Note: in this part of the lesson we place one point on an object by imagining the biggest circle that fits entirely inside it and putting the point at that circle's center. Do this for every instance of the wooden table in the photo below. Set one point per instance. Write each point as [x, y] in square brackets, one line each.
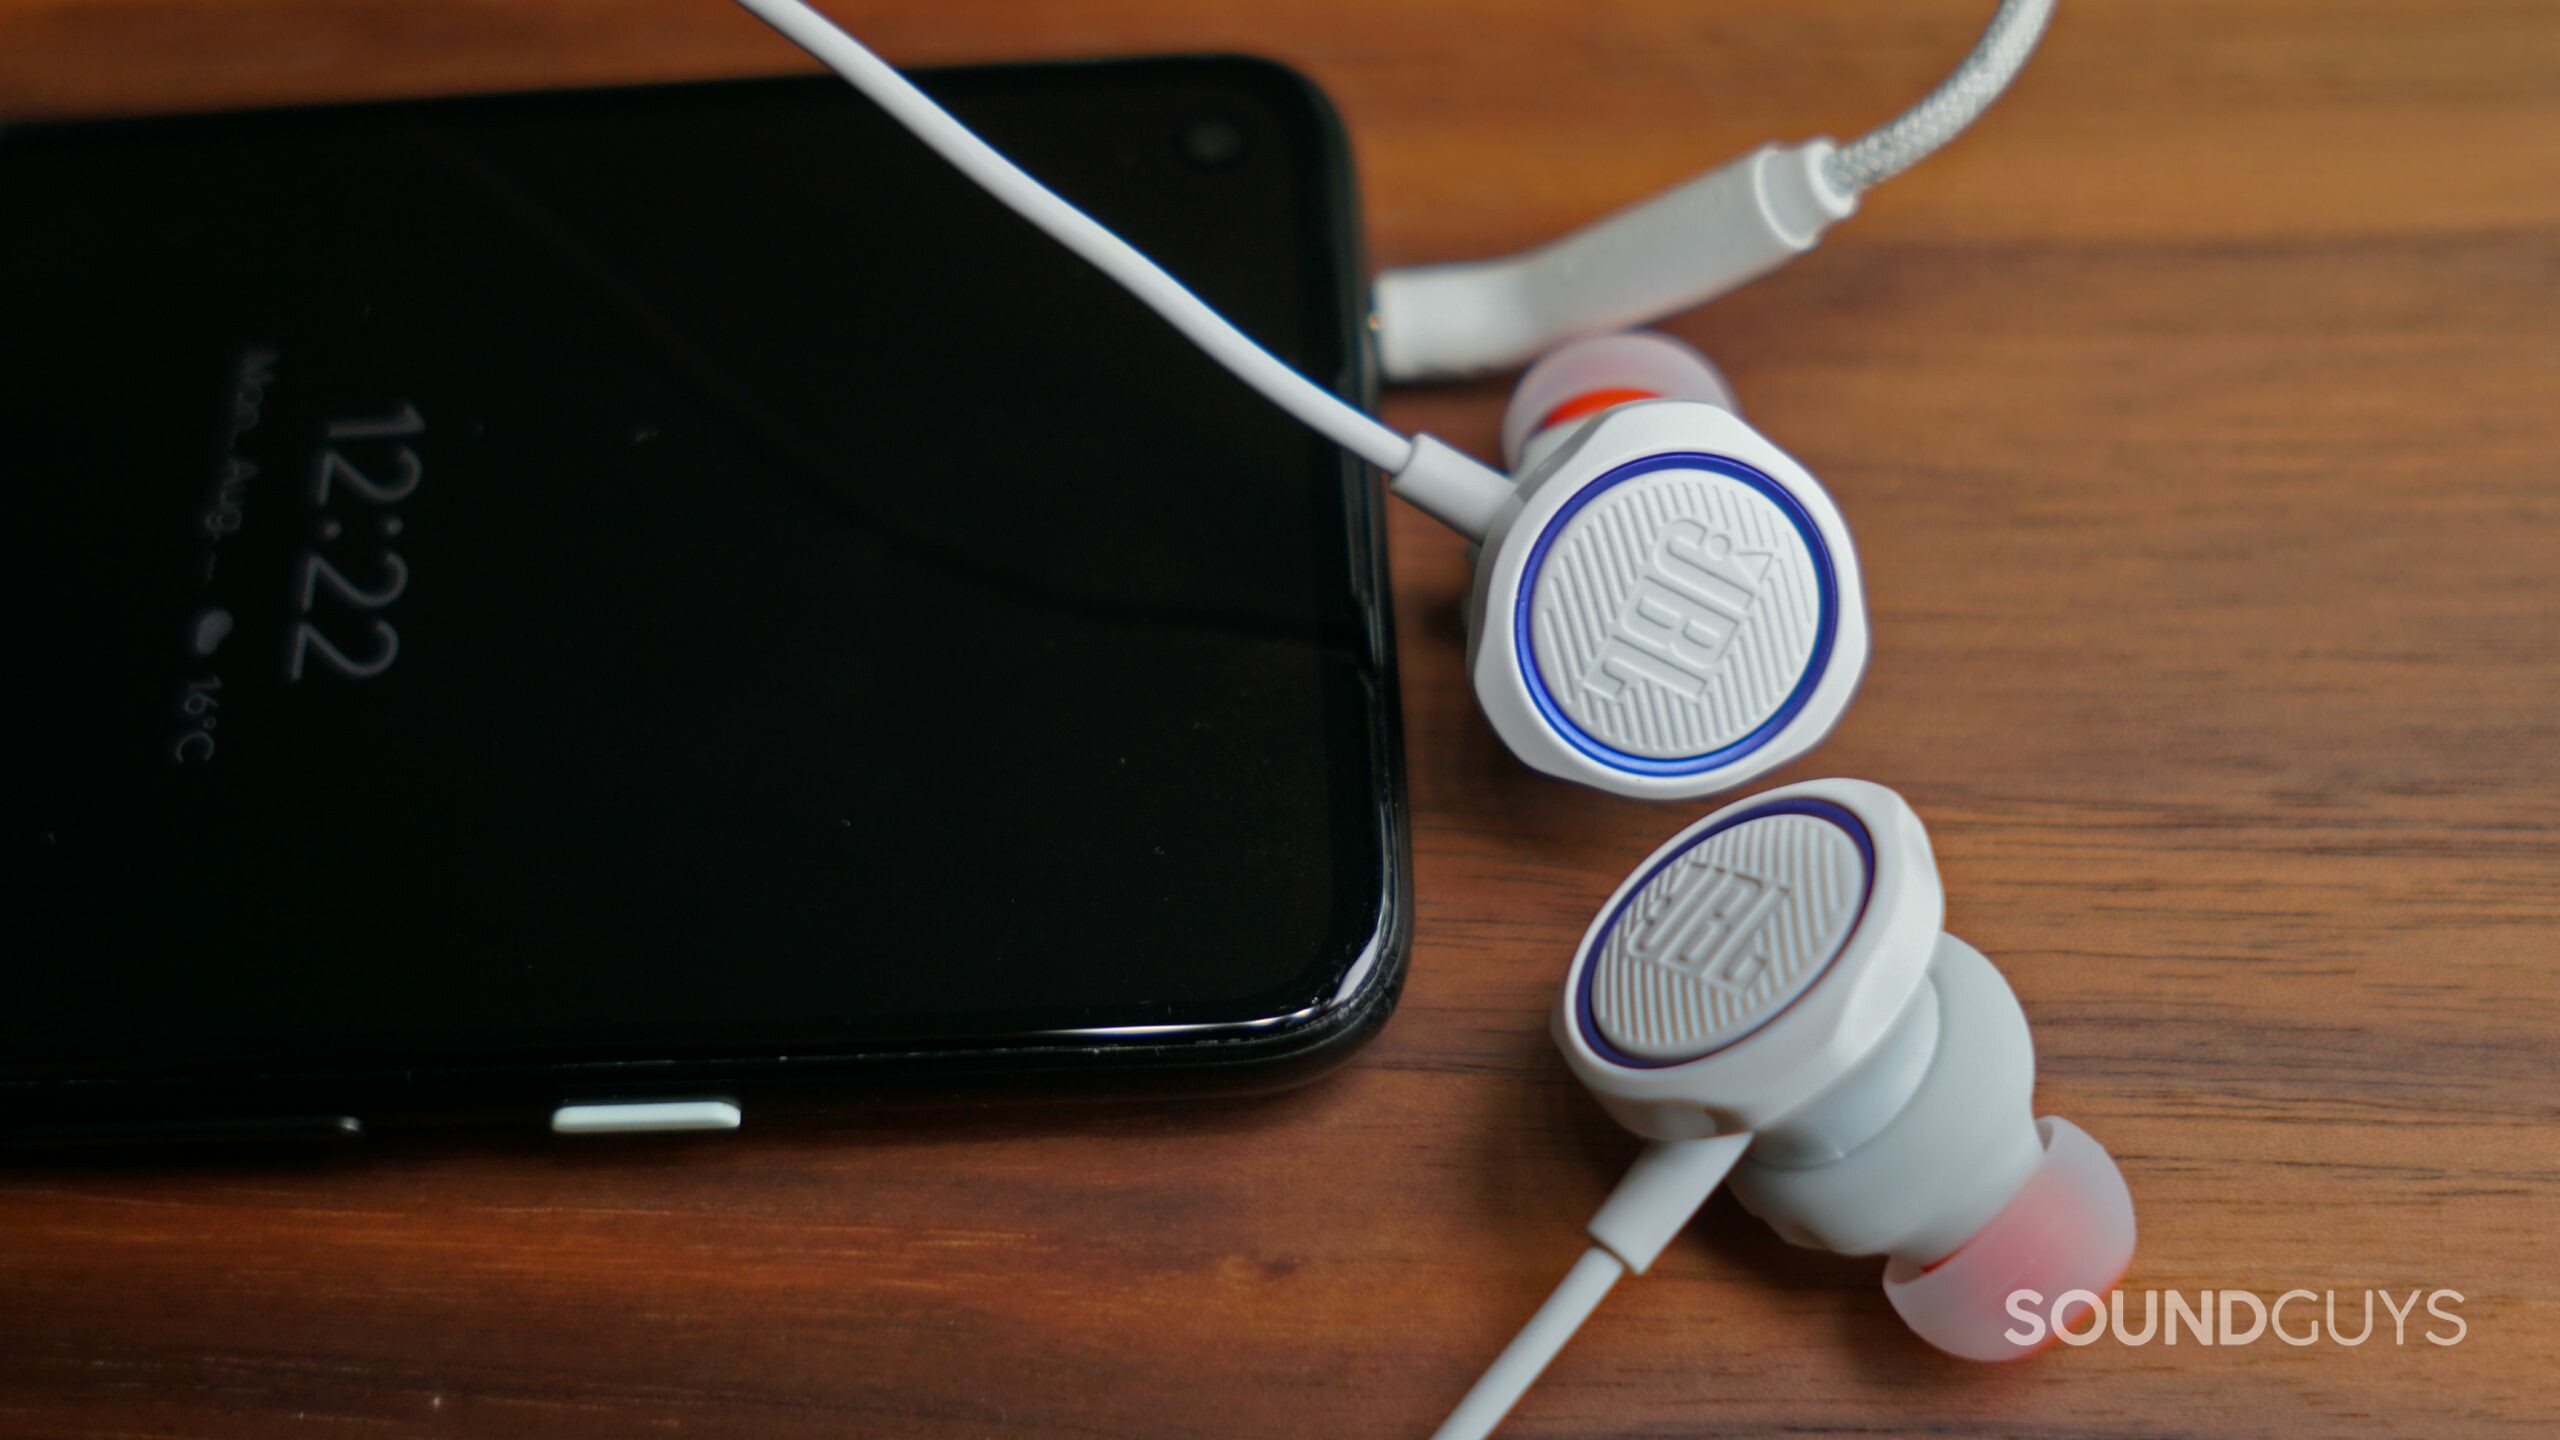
[2200, 421]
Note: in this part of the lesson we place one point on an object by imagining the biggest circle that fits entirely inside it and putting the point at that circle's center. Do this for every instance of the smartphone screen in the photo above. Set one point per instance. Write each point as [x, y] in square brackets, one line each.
[673, 573]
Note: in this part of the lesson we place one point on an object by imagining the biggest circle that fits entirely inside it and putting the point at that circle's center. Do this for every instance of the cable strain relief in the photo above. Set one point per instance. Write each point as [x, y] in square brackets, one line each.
[1453, 487]
[1805, 197]
[1661, 1191]
[1683, 247]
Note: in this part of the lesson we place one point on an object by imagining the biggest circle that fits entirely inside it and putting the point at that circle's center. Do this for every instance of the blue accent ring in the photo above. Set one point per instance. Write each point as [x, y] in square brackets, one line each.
[1817, 809]
[1825, 630]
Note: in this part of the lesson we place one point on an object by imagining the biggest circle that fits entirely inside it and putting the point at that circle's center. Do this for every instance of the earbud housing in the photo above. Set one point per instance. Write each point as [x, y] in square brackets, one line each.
[1777, 971]
[1670, 606]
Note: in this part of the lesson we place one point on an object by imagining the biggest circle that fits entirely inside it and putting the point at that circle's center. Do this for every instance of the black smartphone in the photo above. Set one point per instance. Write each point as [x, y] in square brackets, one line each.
[671, 595]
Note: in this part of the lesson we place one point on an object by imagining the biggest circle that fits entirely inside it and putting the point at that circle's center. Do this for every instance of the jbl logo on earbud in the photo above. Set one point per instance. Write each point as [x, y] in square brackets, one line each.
[1681, 618]
[1711, 930]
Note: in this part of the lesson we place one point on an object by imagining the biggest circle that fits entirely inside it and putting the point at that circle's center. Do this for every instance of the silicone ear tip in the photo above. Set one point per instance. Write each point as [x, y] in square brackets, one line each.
[1633, 360]
[2070, 1228]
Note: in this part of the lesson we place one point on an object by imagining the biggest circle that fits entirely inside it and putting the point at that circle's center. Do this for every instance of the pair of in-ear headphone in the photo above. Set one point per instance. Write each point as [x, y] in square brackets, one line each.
[1667, 605]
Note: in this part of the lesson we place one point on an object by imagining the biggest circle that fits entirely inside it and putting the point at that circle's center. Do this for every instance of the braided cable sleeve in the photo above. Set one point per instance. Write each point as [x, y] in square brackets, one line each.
[1996, 59]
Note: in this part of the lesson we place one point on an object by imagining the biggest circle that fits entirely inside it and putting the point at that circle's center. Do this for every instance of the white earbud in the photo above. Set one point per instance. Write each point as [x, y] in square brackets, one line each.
[1666, 605]
[1669, 606]
[1770, 1000]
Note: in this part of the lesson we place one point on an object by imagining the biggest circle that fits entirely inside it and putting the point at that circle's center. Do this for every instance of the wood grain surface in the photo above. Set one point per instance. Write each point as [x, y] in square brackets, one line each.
[2199, 418]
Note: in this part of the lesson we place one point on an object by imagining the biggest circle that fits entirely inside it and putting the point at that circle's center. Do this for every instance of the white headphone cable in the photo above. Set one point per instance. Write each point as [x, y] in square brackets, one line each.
[1661, 1191]
[1318, 407]
[1665, 254]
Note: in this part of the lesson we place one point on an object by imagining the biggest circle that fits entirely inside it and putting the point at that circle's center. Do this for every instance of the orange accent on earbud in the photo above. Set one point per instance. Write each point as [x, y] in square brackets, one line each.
[1589, 403]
